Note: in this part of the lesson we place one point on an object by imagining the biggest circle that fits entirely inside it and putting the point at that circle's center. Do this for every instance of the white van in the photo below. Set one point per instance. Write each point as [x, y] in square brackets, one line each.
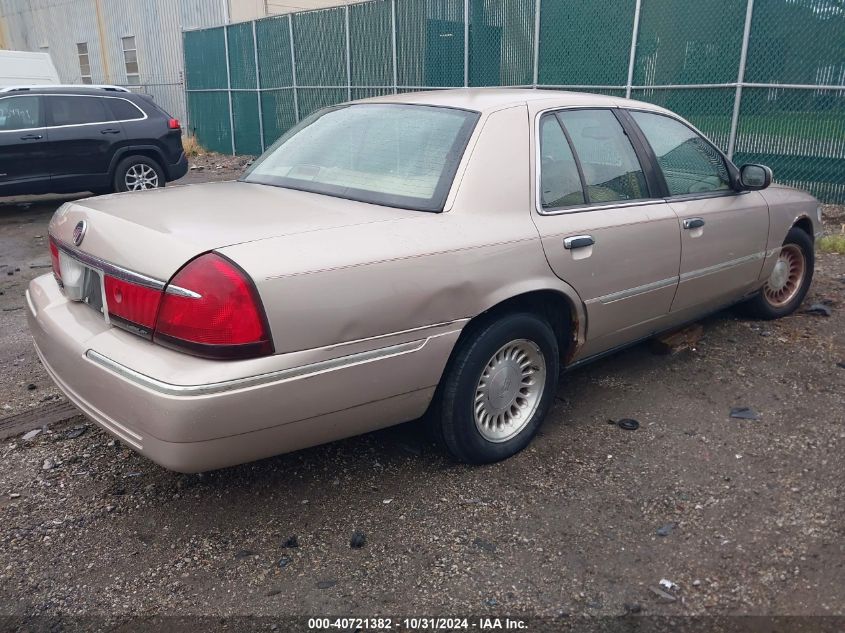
[22, 68]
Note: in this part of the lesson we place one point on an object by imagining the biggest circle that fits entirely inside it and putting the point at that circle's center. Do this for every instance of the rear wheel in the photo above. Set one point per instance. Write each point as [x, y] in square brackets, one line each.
[137, 173]
[789, 281]
[498, 389]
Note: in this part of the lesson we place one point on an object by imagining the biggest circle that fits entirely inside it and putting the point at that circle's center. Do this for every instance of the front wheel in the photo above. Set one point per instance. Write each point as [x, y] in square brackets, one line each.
[789, 281]
[137, 173]
[498, 389]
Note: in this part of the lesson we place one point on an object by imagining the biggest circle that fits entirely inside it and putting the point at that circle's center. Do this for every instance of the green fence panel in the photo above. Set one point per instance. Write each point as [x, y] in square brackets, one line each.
[585, 42]
[689, 42]
[205, 59]
[797, 42]
[313, 99]
[273, 38]
[244, 116]
[278, 113]
[208, 113]
[709, 109]
[430, 42]
[501, 42]
[370, 44]
[366, 93]
[242, 56]
[320, 45]
[800, 134]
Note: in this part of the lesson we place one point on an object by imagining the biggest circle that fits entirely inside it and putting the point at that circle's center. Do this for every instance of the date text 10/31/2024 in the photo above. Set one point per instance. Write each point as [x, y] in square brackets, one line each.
[417, 624]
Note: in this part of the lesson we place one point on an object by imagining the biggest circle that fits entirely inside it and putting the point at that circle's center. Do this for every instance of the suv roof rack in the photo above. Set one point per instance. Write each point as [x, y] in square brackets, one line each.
[106, 87]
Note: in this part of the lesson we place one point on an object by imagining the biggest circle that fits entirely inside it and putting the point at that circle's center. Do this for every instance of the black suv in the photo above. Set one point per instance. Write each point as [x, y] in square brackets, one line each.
[101, 139]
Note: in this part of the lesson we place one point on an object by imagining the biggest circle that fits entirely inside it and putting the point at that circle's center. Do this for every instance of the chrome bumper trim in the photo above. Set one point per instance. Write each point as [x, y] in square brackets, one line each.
[282, 375]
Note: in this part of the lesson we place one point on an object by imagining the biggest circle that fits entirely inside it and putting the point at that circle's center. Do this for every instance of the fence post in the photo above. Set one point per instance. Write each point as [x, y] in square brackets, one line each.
[633, 57]
[740, 78]
[348, 60]
[293, 69]
[229, 89]
[466, 43]
[536, 71]
[393, 45]
[258, 87]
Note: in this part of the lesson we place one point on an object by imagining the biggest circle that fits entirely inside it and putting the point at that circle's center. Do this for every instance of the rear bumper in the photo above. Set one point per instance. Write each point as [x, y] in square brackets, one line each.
[177, 169]
[190, 424]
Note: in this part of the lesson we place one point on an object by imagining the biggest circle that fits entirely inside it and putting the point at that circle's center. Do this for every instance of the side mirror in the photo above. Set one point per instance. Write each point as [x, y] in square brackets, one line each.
[755, 177]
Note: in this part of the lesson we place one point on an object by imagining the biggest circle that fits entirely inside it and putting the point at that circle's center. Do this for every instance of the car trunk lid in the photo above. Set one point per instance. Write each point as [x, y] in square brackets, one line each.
[156, 232]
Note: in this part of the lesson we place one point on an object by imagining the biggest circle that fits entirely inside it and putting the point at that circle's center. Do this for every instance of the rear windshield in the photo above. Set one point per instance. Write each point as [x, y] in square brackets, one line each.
[395, 155]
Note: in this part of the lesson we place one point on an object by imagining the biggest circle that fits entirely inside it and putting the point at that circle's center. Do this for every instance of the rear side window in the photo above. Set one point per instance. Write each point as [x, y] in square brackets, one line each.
[690, 164]
[608, 161]
[20, 113]
[123, 110]
[71, 110]
[559, 181]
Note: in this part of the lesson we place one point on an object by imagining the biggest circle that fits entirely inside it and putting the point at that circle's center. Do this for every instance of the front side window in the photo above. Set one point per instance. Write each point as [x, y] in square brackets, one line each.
[396, 155]
[84, 62]
[130, 58]
[20, 113]
[690, 164]
[611, 169]
[70, 110]
[560, 183]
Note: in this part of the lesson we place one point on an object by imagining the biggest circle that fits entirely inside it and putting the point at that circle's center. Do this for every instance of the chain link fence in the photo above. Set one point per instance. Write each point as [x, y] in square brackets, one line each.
[764, 79]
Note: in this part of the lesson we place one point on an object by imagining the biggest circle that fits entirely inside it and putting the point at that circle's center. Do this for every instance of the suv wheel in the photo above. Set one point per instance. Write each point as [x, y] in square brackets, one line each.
[136, 173]
[498, 389]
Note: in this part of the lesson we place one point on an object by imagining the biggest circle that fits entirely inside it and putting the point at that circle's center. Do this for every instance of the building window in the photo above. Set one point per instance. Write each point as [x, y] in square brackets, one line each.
[130, 56]
[84, 64]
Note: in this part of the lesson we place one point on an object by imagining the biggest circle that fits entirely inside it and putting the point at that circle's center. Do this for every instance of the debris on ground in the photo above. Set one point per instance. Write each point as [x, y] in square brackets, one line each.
[819, 309]
[75, 432]
[666, 530]
[671, 343]
[48, 464]
[662, 594]
[628, 424]
[284, 561]
[358, 540]
[745, 413]
[31, 435]
[667, 584]
[291, 542]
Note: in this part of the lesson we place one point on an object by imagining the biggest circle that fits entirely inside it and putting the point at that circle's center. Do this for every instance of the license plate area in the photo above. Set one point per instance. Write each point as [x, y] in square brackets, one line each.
[82, 283]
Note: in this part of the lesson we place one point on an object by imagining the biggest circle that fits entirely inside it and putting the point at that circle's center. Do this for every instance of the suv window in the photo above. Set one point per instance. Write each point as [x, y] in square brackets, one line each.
[560, 184]
[608, 161]
[124, 110]
[20, 113]
[689, 162]
[71, 110]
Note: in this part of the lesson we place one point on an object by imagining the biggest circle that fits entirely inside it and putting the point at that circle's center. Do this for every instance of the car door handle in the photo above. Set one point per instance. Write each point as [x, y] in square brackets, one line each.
[693, 223]
[578, 241]
[110, 130]
[31, 137]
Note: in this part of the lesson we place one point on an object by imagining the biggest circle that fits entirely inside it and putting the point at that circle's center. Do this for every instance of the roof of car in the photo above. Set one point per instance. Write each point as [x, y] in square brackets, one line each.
[484, 99]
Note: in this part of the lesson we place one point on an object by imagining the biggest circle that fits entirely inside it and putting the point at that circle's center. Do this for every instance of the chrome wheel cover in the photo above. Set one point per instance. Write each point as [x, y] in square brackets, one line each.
[509, 390]
[787, 277]
[140, 176]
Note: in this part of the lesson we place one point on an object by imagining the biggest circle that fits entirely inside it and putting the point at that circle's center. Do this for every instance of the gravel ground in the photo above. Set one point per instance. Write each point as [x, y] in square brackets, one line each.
[742, 516]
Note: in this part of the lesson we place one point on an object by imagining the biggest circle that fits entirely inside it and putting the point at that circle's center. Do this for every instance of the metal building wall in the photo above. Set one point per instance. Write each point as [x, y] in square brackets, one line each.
[157, 26]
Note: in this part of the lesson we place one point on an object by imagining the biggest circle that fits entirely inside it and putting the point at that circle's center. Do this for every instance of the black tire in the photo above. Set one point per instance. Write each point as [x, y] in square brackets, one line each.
[453, 415]
[761, 305]
[136, 161]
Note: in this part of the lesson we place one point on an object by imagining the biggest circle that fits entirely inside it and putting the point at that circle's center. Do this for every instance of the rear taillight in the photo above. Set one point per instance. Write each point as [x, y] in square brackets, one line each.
[54, 260]
[133, 304]
[173, 124]
[211, 308]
